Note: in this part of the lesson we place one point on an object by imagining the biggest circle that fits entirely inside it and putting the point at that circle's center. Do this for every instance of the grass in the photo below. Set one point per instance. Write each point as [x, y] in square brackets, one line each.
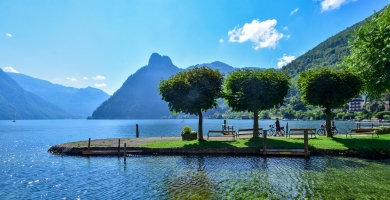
[321, 142]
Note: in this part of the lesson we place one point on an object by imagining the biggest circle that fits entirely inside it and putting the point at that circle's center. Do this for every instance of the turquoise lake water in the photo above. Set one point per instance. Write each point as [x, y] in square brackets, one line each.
[28, 171]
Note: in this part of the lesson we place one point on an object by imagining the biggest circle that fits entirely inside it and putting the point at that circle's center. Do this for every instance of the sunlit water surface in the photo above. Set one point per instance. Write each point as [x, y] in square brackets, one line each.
[28, 171]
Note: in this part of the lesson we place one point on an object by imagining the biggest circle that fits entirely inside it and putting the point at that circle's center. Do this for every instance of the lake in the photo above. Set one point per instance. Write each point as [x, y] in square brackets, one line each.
[28, 171]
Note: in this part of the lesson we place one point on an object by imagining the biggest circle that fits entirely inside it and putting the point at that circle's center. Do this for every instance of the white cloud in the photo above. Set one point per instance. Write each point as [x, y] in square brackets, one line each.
[71, 79]
[294, 11]
[99, 78]
[287, 37]
[220, 41]
[56, 80]
[10, 69]
[262, 34]
[333, 4]
[85, 78]
[99, 85]
[285, 28]
[285, 60]
[8, 34]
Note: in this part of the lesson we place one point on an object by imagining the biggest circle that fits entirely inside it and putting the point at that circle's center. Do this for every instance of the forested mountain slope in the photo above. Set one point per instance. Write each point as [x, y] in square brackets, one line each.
[330, 53]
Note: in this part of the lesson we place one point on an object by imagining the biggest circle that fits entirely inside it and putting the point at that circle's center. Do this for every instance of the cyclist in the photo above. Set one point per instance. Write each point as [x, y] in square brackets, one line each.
[323, 126]
[277, 124]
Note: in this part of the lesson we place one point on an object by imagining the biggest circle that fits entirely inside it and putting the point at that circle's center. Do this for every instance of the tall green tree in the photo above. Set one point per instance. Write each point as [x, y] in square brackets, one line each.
[193, 91]
[255, 90]
[370, 53]
[328, 88]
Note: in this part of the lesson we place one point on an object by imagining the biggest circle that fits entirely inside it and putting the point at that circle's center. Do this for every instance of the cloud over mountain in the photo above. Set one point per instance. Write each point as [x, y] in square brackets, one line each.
[284, 60]
[10, 69]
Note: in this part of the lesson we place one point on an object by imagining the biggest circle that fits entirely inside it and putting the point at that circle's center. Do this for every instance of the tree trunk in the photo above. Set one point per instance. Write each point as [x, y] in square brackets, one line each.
[328, 122]
[256, 123]
[200, 126]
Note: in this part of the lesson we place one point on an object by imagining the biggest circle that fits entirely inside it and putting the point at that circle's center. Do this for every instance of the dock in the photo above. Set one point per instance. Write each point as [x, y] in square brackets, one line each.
[285, 152]
[109, 152]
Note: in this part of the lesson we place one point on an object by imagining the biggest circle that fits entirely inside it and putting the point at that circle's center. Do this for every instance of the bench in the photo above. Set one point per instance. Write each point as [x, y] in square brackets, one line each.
[222, 133]
[365, 131]
[246, 131]
[311, 131]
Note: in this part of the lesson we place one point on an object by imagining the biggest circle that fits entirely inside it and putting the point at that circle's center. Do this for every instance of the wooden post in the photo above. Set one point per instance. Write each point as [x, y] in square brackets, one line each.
[136, 131]
[306, 142]
[224, 125]
[89, 143]
[372, 125]
[119, 144]
[124, 152]
[264, 142]
[286, 129]
[332, 122]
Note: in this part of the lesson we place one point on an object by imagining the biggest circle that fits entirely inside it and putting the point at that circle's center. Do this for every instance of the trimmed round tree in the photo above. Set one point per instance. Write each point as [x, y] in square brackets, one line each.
[328, 88]
[254, 90]
[370, 53]
[192, 91]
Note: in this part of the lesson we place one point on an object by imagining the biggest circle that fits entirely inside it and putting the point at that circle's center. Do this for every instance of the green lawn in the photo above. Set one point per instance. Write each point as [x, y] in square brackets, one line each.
[321, 142]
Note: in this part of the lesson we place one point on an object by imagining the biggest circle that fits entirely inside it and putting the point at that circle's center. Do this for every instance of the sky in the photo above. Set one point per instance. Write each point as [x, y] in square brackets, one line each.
[100, 43]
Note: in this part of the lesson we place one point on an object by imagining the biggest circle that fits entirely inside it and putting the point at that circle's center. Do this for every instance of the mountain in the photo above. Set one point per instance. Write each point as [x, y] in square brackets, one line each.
[138, 97]
[16, 102]
[78, 102]
[330, 53]
[224, 68]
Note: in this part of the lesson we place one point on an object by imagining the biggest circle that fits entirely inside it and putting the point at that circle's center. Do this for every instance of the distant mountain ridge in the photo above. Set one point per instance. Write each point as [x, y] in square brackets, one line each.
[17, 103]
[78, 102]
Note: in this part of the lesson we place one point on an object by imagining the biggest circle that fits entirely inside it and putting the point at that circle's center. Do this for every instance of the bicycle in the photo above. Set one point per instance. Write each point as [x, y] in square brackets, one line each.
[272, 131]
[322, 130]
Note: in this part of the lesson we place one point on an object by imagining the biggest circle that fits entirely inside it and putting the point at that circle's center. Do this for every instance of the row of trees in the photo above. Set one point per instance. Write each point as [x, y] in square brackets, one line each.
[196, 90]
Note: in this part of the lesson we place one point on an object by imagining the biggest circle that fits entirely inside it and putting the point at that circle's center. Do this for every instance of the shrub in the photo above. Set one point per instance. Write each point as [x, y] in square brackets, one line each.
[383, 129]
[187, 130]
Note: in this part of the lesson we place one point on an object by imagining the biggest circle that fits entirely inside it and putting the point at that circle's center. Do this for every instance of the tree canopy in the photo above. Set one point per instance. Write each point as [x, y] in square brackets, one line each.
[192, 91]
[328, 88]
[370, 53]
[255, 90]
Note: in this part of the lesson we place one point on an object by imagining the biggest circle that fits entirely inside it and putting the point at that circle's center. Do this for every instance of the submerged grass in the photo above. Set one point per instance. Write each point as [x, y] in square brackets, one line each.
[320, 142]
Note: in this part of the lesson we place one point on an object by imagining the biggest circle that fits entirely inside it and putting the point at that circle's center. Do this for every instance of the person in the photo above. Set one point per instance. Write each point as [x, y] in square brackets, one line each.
[323, 126]
[277, 125]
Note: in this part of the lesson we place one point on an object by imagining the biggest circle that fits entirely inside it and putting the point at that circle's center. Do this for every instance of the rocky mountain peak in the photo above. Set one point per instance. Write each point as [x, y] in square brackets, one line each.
[158, 60]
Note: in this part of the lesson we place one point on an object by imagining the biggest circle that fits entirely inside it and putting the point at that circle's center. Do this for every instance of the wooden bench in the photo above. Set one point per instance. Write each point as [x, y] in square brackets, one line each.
[222, 133]
[246, 131]
[311, 131]
[365, 131]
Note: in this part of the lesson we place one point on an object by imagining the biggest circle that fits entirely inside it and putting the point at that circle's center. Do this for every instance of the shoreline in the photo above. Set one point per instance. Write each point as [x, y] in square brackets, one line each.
[107, 147]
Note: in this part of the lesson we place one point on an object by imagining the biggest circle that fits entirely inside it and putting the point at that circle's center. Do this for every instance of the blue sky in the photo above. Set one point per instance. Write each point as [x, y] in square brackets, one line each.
[96, 43]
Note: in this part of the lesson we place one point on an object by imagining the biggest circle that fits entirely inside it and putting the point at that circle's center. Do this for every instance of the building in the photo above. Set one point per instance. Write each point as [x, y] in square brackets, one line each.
[356, 104]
